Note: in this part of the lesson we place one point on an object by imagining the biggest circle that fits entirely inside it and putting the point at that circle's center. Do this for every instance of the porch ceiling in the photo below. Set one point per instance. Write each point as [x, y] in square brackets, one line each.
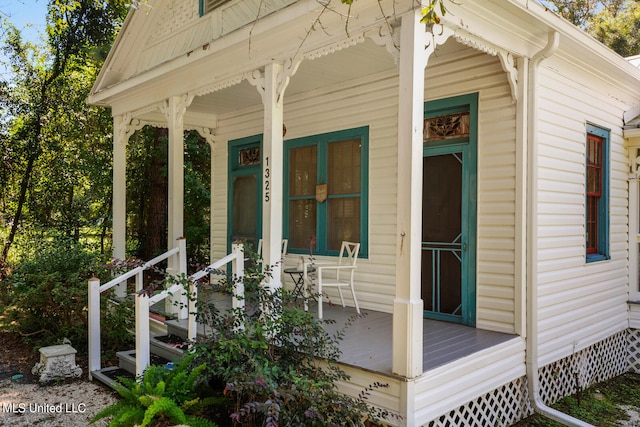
[357, 61]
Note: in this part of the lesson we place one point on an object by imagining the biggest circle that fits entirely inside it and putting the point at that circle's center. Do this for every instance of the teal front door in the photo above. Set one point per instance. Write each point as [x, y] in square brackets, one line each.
[448, 215]
[245, 172]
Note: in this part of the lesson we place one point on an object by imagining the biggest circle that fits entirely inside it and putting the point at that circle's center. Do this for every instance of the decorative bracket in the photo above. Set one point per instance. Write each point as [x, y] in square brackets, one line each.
[634, 164]
[206, 133]
[125, 126]
[290, 66]
[390, 39]
[181, 107]
[506, 59]
[256, 78]
[438, 35]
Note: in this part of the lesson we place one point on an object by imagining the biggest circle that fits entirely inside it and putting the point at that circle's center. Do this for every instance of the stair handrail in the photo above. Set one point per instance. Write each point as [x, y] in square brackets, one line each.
[131, 273]
[143, 301]
[95, 291]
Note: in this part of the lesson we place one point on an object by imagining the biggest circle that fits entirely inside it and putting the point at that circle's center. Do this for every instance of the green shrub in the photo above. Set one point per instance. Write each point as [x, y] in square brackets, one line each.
[276, 361]
[163, 397]
[47, 296]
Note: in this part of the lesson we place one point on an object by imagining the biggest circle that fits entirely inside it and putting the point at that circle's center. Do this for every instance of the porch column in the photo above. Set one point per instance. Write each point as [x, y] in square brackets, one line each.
[634, 217]
[119, 199]
[408, 305]
[522, 113]
[174, 110]
[272, 170]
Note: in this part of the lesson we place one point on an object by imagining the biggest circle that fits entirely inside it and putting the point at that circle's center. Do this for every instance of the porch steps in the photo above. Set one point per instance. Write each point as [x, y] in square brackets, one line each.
[161, 352]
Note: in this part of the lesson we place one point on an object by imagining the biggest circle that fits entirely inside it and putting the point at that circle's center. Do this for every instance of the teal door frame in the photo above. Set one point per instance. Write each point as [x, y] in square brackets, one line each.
[235, 169]
[469, 149]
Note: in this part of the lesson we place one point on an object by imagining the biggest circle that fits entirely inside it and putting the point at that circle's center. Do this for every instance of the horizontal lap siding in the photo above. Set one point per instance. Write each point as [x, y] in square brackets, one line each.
[471, 71]
[370, 101]
[579, 303]
[443, 389]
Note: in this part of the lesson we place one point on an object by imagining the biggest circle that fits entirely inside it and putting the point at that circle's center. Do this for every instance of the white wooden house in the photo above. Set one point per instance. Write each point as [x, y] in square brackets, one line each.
[487, 165]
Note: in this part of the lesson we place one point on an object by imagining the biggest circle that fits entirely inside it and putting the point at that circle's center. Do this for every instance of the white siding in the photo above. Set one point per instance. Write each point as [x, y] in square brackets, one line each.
[372, 102]
[579, 303]
[468, 71]
[444, 389]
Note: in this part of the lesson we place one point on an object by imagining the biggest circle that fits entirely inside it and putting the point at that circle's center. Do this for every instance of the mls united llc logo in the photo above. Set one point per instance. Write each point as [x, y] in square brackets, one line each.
[46, 408]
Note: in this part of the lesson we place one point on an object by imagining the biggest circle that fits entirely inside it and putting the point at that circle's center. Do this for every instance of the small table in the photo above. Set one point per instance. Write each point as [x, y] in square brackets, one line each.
[297, 275]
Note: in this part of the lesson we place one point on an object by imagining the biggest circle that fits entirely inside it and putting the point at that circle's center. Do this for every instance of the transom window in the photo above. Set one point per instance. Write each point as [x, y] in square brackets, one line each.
[597, 203]
[326, 191]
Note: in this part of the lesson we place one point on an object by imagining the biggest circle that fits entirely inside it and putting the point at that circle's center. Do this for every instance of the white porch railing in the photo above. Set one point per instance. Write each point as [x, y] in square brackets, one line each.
[144, 301]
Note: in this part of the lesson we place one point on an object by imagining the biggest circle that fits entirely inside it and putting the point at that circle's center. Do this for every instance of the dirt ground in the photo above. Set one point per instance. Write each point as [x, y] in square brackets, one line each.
[26, 402]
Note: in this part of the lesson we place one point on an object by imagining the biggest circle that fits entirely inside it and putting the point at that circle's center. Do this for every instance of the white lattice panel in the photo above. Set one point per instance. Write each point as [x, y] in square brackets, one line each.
[633, 343]
[500, 407]
[602, 361]
[510, 403]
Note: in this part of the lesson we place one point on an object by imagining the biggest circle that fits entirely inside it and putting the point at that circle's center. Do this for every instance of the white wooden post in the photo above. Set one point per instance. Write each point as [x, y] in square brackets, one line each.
[408, 305]
[139, 281]
[120, 137]
[174, 111]
[237, 267]
[192, 325]
[634, 231]
[183, 312]
[272, 174]
[94, 325]
[142, 333]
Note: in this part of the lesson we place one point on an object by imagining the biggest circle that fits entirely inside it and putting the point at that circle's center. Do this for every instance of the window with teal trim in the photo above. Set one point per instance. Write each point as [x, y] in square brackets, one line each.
[326, 190]
[597, 194]
[207, 6]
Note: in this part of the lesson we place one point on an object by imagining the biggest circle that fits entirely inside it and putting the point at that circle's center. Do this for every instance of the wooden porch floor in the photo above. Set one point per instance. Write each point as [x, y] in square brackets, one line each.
[367, 342]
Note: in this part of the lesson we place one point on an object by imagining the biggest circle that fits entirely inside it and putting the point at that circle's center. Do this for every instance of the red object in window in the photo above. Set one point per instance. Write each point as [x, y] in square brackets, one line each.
[594, 190]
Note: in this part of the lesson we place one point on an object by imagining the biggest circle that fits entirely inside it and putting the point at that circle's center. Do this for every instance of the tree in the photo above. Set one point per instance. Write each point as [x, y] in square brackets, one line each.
[620, 30]
[616, 23]
[76, 30]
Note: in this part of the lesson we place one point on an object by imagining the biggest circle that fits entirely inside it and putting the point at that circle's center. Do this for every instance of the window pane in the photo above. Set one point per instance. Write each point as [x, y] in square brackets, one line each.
[244, 206]
[594, 165]
[303, 166]
[302, 223]
[344, 167]
[592, 225]
[343, 221]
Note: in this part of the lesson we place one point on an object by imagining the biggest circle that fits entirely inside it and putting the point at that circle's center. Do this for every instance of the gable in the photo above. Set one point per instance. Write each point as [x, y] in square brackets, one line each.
[163, 30]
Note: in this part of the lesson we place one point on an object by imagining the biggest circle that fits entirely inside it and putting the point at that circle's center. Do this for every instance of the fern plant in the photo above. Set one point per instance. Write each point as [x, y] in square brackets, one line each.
[163, 397]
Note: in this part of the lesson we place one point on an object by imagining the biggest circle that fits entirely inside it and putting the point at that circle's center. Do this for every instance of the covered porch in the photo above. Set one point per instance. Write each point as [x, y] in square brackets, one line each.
[462, 366]
[375, 79]
[367, 343]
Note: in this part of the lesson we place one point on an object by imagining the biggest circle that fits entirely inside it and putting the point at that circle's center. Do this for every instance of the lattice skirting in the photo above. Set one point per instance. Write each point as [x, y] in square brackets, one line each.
[510, 403]
[633, 341]
[500, 407]
[602, 361]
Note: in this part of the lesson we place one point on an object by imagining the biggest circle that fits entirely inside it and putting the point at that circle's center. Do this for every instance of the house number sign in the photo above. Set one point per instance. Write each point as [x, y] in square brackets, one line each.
[267, 180]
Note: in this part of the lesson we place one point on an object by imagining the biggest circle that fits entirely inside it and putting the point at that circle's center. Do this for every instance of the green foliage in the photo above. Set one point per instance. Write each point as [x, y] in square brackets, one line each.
[277, 361]
[620, 30]
[54, 152]
[162, 396]
[599, 405]
[432, 12]
[616, 23]
[46, 296]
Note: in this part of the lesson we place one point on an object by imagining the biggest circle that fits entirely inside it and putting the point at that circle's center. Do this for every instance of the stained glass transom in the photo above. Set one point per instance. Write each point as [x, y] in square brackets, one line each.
[450, 126]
